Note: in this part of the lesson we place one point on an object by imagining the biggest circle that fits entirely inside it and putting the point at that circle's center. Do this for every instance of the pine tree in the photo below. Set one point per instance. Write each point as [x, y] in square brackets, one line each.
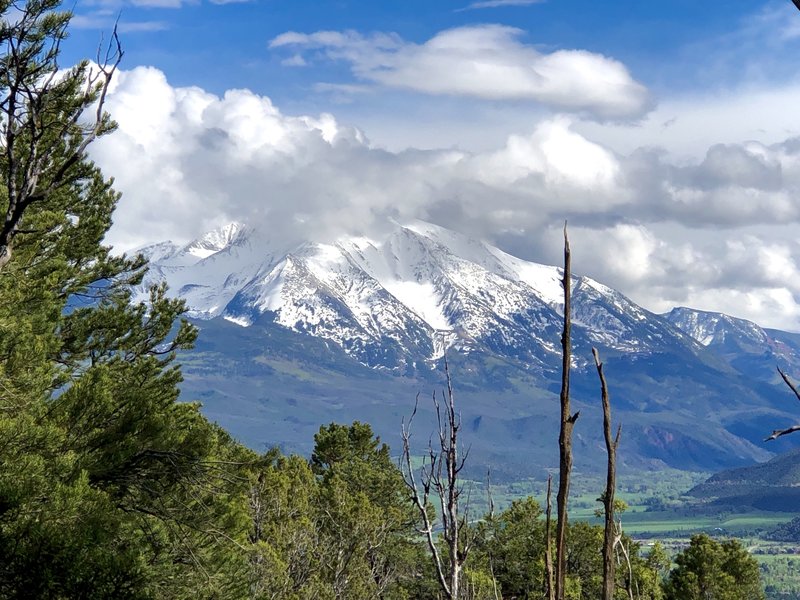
[109, 487]
[711, 570]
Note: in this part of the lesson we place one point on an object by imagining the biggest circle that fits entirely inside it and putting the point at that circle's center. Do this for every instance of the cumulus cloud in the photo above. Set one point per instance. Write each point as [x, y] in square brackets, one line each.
[734, 185]
[686, 125]
[239, 157]
[484, 61]
[717, 229]
[754, 277]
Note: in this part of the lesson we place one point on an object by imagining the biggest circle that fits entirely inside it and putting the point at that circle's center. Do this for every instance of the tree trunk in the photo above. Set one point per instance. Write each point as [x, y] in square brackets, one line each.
[565, 434]
[609, 535]
[550, 591]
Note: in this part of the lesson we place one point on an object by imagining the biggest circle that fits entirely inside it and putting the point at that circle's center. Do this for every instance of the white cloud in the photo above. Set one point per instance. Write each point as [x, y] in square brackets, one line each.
[141, 26]
[107, 21]
[487, 62]
[686, 125]
[747, 276]
[242, 158]
[716, 229]
[158, 3]
[500, 3]
[296, 60]
[734, 185]
[557, 154]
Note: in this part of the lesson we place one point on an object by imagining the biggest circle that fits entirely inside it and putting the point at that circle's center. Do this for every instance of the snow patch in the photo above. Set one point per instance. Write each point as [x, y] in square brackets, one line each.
[421, 298]
[241, 321]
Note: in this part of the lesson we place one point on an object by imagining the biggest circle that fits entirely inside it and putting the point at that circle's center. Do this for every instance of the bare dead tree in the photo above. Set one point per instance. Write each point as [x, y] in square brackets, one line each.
[439, 477]
[549, 590]
[565, 433]
[611, 483]
[779, 432]
[48, 117]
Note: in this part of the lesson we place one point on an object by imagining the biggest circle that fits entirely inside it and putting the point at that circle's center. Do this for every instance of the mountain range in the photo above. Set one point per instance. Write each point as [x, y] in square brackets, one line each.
[294, 336]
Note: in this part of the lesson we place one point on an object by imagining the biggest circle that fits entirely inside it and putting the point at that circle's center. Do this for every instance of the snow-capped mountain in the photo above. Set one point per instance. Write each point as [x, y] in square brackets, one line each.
[399, 301]
[292, 337]
[740, 342]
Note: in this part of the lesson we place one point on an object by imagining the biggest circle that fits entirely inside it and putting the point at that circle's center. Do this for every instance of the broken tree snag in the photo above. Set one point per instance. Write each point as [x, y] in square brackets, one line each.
[549, 590]
[779, 432]
[626, 554]
[788, 382]
[565, 433]
[611, 482]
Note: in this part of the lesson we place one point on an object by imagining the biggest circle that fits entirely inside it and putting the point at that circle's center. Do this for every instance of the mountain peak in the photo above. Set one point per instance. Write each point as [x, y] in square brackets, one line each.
[714, 328]
[216, 240]
[403, 291]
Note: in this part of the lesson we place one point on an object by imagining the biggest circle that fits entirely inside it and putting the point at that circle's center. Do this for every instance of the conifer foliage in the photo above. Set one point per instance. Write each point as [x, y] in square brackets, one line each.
[109, 488]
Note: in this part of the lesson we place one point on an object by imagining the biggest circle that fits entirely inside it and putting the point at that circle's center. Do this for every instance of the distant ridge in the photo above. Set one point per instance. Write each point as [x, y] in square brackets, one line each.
[743, 344]
[773, 485]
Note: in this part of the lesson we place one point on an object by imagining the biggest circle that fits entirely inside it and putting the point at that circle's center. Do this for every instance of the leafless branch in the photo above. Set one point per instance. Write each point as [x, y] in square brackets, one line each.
[489, 492]
[42, 141]
[788, 382]
[439, 475]
[780, 432]
[619, 543]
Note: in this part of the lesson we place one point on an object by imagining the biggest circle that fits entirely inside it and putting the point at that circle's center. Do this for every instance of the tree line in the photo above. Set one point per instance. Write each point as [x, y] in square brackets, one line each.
[112, 488]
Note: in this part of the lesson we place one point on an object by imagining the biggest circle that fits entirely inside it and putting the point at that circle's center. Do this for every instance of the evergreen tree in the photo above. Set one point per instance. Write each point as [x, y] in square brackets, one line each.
[710, 570]
[338, 526]
[510, 547]
[365, 516]
[109, 488]
[284, 539]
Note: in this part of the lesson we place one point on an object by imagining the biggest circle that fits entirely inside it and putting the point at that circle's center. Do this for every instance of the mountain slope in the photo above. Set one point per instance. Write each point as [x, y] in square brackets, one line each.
[773, 485]
[750, 349]
[420, 289]
[383, 311]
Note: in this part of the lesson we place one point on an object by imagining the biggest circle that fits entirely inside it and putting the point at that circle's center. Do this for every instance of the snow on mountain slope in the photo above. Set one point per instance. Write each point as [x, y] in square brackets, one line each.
[216, 240]
[741, 342]
[712, 328]
[399, 301]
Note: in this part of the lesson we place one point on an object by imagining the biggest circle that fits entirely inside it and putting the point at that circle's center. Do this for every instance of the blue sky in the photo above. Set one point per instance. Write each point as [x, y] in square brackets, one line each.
[675, 47]
[666, 132]
[226, 45]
